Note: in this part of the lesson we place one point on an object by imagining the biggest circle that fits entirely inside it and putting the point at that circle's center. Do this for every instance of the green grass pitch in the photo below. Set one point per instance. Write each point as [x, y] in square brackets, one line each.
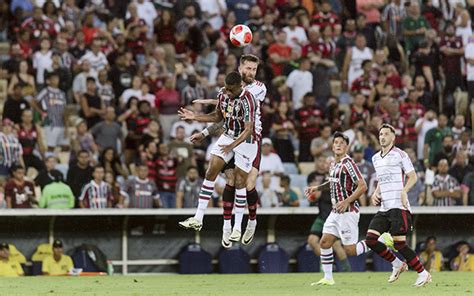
[347, 284]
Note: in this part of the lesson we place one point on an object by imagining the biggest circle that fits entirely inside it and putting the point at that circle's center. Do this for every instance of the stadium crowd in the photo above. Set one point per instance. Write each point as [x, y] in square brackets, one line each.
[90, 92]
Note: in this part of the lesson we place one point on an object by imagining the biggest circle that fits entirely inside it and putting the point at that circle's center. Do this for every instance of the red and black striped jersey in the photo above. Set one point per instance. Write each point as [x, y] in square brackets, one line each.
[343, 178]
[236, 112]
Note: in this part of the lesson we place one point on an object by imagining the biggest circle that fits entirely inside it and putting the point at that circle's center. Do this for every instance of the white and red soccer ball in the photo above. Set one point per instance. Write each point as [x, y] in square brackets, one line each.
[240, 35]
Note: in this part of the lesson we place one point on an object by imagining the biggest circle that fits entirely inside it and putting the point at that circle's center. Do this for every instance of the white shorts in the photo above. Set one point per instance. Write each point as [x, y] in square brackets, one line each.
[244, 154]
[55, 136]
[344, 226]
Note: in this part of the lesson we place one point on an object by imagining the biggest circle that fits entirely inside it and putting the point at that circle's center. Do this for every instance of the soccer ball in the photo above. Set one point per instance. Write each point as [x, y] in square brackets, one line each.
[240, 35]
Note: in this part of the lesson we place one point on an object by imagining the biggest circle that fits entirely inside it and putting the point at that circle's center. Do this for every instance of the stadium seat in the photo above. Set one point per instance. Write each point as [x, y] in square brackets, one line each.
[290, 168]
[273, 259]
[82, 260]
[306, 260]
[234, 260]
[36, 268]
[194, 260]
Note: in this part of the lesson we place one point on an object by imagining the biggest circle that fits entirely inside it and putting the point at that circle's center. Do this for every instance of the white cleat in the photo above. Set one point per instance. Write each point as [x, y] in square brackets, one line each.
[397, 271]
[248, 234]
[235, 236]
[423, 279]
[191, 223]
[226, 243]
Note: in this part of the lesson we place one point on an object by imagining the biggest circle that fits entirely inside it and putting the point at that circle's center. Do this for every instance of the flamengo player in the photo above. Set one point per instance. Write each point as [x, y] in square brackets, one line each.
[237, 107]
[248, 69]
[346, 185]
[391, 165]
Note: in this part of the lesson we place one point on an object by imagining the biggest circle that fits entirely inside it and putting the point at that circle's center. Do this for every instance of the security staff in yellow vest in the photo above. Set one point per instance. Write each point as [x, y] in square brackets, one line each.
[9, 267]
[58, 263]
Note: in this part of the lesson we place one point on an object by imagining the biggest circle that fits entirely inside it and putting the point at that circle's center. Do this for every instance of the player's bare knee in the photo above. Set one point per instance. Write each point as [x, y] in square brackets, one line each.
[240, 179]
[211, 174]
[230, 178]
[350, 250]
[325, 244]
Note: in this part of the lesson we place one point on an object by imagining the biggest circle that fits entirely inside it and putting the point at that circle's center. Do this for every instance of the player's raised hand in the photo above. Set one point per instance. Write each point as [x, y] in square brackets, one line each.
[375, 199]
[197, 138]
[186, 114]
[310, 191]
[205, 101]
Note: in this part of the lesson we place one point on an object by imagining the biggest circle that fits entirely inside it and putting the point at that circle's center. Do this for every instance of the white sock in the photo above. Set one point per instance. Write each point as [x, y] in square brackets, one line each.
[252, 223]
[239, 207]
[361, 248]
[205, 196]
[327, 260]
[397, 262]
[227, 225]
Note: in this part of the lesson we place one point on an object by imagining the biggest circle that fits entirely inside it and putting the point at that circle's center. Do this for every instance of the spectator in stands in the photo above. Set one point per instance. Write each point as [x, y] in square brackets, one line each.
[15, 105]
[118, 198]
[166, 179]
[352, 68]
[82, 139]
[108, 133]
[416, 196]
[460, 166]
[434, 140]
[366, 169]
[187, 192]
[24, 80]
[49, 174]
[58, 263]
[51, 104]
[322, 144]
[392, 17]
[446, 190]
[366, 30]
[414, 26]
[465, 260]
[192, 91]
[288, 197]
[96, 57]
[57, 195]
[466, 144]
[268, 197]
[31, 139]
[308, 121]
[19, 193]
[43, 61]
[364, 83]
[168, 102]
[295, 35]
[467, 187]
[284, 132]
[431, 258]
[459, 126]
[183, 150]
[121, 74]
[105, 90]
[140, 191]
[96, 194]
[80, 173]
[92, 107]
[321, 169]
[271, 162]
[422, 126]
[447, 150]
[279, 53]
[9, 267]
[112, 164]
[300, 81]
[79, 84]
[10, 149]
[134, 92]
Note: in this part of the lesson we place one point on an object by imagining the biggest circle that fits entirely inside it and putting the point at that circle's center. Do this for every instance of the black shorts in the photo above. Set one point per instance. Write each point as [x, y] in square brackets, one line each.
[394, 221]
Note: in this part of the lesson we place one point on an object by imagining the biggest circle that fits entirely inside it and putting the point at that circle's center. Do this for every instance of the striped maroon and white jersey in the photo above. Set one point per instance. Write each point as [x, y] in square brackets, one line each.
[343, 178]
[236, 112]
[141, 193]
[10, 150]
[96, 196]
[259, 92]
[391, 170]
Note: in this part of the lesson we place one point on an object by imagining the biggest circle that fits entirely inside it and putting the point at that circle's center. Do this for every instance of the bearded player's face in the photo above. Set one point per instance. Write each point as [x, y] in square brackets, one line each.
[386, 137]
[248, 70]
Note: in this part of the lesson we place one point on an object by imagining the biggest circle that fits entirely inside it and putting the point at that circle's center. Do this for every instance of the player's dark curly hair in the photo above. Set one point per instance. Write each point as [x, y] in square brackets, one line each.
[233, 78]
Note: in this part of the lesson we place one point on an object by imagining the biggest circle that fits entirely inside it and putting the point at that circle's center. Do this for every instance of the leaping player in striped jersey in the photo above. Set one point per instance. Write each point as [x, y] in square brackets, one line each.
[237, 108]
[392, 165]
[248, 69]
[346, 185]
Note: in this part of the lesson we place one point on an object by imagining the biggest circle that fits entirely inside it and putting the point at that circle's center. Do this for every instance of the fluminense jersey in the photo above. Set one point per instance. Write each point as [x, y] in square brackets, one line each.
[343, 178]
[236, 112]
[259, 92]
[391, 170]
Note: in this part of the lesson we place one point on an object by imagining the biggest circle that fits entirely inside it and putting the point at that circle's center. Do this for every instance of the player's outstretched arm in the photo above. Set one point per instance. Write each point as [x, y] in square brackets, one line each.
[214, 116]
[206, 101]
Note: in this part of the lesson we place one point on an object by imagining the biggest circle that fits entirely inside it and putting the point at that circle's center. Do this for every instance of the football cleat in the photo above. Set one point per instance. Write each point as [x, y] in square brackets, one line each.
[423, 279]
[248, 234]
[226, 243]
[235, 236]
[388, 241]
[191, 223]
[397, 271]
[324, 282]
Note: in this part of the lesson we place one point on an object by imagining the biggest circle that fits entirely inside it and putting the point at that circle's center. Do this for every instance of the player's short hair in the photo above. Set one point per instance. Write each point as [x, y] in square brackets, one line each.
[249, 58]
[233, 78]
[340, 135]
[99, 166]
[15, 168]
[90, 79]
[389, 126]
